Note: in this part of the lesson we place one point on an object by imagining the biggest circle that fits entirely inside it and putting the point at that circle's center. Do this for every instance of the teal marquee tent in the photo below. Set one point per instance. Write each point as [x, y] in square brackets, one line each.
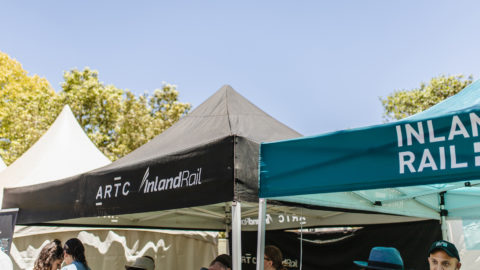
[426, 165]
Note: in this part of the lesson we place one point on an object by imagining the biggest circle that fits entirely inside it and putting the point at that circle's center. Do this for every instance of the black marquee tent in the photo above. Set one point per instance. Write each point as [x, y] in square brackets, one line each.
[186, 177]
[208, 158]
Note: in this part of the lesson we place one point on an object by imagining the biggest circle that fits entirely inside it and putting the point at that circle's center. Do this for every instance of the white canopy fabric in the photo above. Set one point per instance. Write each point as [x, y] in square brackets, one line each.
[64, 150]
[2, 165]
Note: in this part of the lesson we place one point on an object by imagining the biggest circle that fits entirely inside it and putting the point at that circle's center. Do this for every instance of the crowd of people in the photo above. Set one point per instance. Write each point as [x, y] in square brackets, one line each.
[442, 255]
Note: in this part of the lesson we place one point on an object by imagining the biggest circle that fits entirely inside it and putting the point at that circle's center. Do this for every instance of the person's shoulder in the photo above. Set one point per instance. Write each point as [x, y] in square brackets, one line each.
[5, 261]
[70, 267]
[75, 266]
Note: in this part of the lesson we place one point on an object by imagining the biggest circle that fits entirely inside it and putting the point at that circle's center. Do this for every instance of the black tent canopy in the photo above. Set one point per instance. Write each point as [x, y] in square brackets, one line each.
[206, 159]
[186, 177]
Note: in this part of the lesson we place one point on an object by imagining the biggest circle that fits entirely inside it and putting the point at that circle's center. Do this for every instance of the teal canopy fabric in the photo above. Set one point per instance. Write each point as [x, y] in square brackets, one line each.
[385, 167]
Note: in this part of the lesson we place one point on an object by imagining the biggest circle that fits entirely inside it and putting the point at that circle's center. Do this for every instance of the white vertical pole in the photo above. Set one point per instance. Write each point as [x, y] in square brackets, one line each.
[236, 236]
[443, 214]
[262, 212]
[445, 234]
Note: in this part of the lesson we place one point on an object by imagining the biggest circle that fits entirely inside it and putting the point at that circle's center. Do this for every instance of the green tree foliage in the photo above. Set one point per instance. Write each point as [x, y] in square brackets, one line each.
[404, 103]
[116, 120]
[28, 106]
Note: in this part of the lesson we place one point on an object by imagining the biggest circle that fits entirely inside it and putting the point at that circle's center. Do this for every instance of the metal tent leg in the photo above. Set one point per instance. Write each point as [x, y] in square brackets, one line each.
[236, 236]
[262, 211]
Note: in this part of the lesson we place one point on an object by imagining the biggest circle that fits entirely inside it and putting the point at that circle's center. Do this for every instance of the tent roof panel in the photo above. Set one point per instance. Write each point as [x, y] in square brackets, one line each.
[225, 113]
[64, 150]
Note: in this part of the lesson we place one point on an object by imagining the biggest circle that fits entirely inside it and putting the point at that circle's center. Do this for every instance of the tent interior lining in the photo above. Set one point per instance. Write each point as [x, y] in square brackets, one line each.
[421, 201]
[218, 217]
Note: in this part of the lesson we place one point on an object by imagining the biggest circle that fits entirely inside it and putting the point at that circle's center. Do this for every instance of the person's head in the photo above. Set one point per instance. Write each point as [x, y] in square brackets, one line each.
[50, 257]
[273, 258]
[443, 255]
[74, 251]
[382, 258]
[142, 263]
[221, 262]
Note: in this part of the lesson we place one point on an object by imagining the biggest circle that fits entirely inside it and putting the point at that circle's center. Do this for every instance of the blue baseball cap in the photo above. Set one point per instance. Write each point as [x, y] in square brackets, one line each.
[383, 258]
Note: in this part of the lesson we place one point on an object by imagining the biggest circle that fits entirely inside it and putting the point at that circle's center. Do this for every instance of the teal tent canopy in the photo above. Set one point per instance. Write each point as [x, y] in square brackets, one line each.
[398, 168]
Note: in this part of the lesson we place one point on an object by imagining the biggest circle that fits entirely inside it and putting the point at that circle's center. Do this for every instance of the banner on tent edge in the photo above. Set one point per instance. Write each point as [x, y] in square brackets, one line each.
[405, 153]
[197, 176]
[187, 179]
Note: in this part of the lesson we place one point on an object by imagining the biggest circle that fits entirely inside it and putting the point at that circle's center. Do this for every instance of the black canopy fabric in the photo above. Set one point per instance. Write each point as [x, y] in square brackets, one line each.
[338, 248]
[207, 158]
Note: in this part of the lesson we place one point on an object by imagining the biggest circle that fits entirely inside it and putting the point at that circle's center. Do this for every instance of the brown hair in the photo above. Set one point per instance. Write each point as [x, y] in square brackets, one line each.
[224, 259]
[275, 255]
[48, 255]
[74, 247]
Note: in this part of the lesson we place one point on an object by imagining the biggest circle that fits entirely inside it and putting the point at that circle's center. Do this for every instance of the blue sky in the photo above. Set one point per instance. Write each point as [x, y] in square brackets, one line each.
[317, 66]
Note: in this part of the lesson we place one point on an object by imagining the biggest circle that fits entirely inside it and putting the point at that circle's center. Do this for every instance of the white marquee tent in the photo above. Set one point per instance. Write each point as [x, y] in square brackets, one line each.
[65, 150]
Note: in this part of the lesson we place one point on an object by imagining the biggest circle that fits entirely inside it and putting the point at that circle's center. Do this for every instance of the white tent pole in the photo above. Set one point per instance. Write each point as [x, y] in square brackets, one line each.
[443, 214]
[236, 236]
[262, 212]
[445, 235]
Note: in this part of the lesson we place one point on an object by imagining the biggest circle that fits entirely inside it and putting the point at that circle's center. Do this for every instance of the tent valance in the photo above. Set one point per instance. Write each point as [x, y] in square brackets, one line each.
[410, 152]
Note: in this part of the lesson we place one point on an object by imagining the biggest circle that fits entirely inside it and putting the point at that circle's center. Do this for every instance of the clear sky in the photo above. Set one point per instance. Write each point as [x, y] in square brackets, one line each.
[316, 66]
